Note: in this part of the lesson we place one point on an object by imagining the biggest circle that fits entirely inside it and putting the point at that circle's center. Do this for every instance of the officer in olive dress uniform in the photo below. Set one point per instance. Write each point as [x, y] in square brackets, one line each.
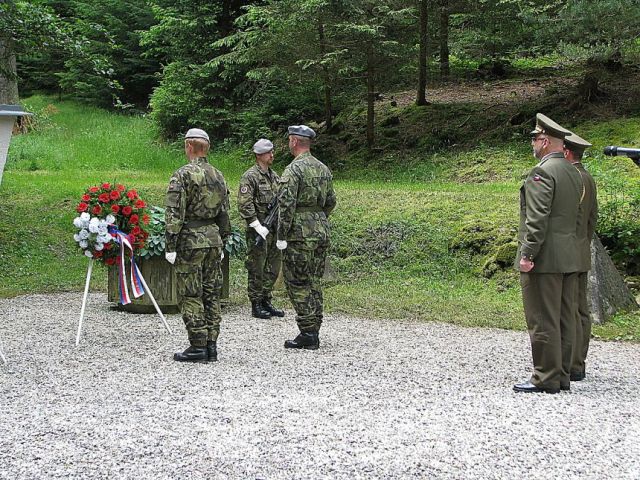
[548, 258]
[306, 199]
[258, 189]
[197, 226]
[574, 147]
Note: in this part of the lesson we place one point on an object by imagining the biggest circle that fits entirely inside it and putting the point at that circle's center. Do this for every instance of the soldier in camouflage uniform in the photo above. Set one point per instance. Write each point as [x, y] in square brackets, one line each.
[306, 199]
[258, 188]
[197, 226]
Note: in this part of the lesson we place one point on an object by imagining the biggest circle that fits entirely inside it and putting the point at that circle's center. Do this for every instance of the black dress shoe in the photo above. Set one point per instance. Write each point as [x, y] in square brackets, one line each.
[577, 376]
[266, 304]
[528, 387]
[212, 351]
[258, 311]
[565, 388]
[192, 354]
[305, 340]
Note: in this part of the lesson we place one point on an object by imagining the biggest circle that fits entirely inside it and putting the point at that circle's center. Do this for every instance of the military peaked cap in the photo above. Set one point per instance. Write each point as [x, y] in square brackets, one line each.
[197, 133]
[262, 146]
[547, 126]
[575, 143]
[302, 131]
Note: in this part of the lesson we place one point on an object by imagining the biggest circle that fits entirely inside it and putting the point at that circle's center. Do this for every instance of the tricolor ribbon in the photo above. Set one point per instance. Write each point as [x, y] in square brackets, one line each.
[136, 284]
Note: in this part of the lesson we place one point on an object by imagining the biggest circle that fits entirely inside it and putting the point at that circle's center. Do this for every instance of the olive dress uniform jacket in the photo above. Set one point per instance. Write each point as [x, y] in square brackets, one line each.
[548, 216]
[587, 218]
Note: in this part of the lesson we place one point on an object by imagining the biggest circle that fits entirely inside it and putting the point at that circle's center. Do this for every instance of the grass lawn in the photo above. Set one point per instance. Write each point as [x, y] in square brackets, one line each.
[391, 254]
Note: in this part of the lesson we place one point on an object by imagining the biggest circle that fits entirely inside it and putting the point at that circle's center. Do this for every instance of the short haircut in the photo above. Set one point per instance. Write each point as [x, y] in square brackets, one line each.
[199, 145]
[303, 141]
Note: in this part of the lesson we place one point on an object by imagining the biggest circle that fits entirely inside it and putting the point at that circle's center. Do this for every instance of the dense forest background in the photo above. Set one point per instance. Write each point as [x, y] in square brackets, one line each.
[241, 69]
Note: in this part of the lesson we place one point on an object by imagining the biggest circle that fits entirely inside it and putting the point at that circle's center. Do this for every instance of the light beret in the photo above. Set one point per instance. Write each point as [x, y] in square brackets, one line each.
[262, 146]
[197, 133]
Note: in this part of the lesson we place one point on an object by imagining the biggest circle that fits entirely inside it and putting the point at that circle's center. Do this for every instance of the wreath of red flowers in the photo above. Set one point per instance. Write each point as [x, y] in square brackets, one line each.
[128, 210]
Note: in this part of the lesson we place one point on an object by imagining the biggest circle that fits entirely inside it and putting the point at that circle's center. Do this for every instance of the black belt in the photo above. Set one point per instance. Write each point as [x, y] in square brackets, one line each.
[199, 223]
[308, 209]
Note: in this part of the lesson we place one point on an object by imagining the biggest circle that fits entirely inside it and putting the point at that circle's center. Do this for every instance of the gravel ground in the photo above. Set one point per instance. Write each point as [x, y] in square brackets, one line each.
[380, 399]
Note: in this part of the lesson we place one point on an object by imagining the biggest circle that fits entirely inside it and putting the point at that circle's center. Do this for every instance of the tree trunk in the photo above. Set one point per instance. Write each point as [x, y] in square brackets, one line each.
[421, 99]
[328, 107]
[8, 73]
[371, 98]
[606, 291]
[444, 38]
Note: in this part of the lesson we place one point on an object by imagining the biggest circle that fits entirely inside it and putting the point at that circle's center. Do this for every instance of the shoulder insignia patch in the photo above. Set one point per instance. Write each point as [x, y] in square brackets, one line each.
[244, 189]
[536, 178]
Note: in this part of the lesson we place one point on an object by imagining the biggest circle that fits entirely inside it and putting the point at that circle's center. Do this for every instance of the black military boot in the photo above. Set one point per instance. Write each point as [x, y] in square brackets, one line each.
[192, 354]
[258, 311]
[212, 351]
[305, 340]
[266, 304]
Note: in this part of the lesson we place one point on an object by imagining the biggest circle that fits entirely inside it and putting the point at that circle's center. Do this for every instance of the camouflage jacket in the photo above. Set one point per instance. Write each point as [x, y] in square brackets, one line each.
[306, 198]
[257, 189]
[197, 207]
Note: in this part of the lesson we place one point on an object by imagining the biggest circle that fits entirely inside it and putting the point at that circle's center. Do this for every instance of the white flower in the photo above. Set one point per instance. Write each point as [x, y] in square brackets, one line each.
[77, 222]
[88, 253]
[85, 216]
[84, 234]
[76, 237]
[83, 244]
[93, 227]
[98, 247]
[110, 219]
[102, 230]
[104, 238]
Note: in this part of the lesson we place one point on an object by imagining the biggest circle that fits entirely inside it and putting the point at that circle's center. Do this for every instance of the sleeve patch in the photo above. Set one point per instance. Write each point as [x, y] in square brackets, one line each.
[244, 189]
[536, 178]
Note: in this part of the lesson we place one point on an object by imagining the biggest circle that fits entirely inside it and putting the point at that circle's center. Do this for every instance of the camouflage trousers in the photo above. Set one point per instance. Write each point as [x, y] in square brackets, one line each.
[303, 266]
[263, 266]
[199, 281]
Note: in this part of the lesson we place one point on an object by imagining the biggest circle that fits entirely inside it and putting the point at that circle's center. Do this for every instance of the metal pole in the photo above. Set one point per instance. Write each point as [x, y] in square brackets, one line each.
[84, 300]
[155, 304]
[4, 360]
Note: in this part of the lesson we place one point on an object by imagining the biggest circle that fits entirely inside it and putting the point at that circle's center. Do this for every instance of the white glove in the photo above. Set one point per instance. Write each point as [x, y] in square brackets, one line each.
[222, 255]
[260, 229]
[171, 257]
[281, 244]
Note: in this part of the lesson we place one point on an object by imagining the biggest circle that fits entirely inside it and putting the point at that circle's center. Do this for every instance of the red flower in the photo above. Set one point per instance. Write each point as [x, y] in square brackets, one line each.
[146, 219]
[86, 197]
[106, 186]
[110, 261]
[82, 207]
[94, 189]
[115, 208]
[120, 187]
[134, 219]
[127, 210]
[140, 204]
[135, 230]
[97, 254]
[108, 246]
[96, 210]
[115, 195]
[103, 197]
[131, 238]
[132, 194]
